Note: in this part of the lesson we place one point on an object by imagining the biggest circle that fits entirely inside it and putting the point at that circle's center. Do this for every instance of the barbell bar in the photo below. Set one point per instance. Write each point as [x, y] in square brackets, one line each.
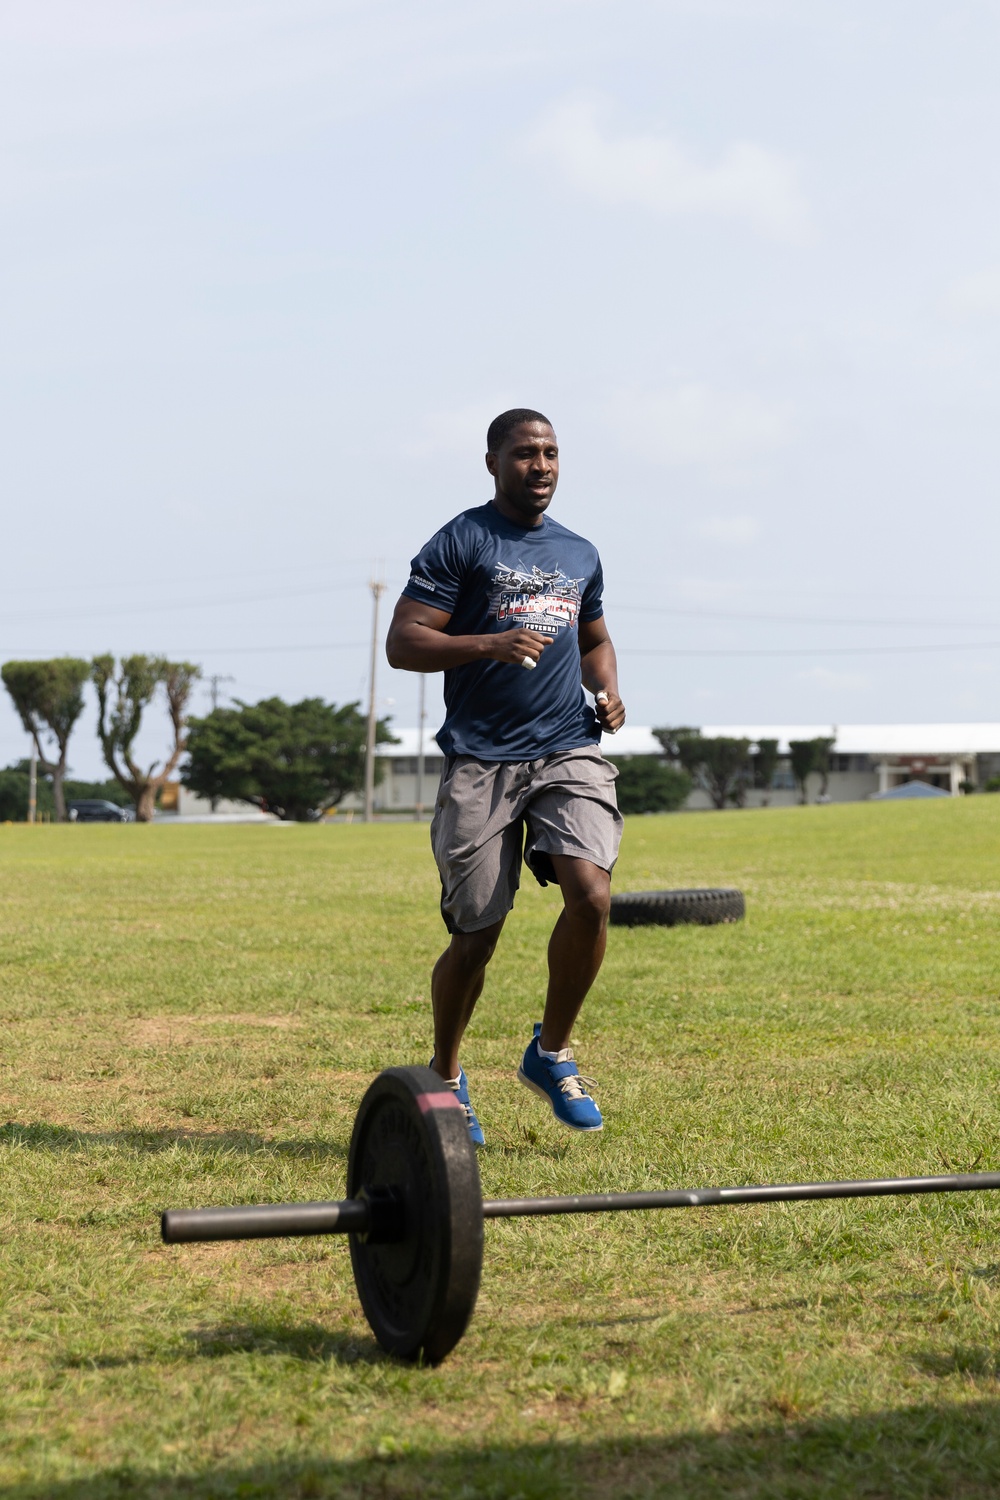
[415, 1211]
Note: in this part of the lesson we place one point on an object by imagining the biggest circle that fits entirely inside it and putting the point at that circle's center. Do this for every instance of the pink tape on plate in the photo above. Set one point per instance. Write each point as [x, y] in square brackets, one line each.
[447, 1099]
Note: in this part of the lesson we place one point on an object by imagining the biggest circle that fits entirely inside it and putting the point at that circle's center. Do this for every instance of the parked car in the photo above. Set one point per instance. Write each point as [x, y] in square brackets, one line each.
[95, 810]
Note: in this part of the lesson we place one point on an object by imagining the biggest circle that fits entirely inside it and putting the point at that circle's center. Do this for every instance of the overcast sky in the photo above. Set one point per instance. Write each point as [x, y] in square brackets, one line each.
[268, 268]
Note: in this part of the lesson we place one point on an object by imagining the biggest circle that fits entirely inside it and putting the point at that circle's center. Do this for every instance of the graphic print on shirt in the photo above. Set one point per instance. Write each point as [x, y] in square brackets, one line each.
[543, 602]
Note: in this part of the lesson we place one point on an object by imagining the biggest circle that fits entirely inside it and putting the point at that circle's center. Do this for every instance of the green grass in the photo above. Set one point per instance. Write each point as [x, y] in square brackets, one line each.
[190, 1015]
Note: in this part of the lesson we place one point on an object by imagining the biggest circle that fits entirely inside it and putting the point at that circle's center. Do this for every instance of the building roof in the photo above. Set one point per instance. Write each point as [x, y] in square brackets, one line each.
[877, 739]
[628, 741]
[850, 739]
[408, 743]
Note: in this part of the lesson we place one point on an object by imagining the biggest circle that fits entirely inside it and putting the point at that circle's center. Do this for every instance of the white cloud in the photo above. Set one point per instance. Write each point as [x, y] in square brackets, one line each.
[731, 531]
[659, 173]
[693, 424]
[975, 294]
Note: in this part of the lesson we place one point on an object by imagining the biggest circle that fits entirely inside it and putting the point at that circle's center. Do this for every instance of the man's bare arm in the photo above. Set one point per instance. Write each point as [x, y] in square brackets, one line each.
[417, 642]
[599, 673]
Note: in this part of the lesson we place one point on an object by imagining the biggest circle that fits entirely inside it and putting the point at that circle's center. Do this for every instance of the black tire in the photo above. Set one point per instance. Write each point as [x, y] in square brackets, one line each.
[668, 908]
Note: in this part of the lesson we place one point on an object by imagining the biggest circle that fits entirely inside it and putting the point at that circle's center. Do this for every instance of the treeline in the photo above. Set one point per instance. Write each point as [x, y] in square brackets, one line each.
[48, 697]
[292, 759]
[15, 784]
[726, 769]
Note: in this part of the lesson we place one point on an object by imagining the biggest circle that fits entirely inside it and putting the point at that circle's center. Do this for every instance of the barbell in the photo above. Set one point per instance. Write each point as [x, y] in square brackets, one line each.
[414, 1212]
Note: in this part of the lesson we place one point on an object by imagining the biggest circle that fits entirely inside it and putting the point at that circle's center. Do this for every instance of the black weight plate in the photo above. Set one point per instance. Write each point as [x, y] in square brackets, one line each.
[668, 908]
[411, 1136]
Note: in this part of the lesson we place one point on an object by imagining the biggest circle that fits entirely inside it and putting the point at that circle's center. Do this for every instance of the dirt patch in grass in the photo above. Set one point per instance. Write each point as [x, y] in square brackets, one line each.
[174, 1031]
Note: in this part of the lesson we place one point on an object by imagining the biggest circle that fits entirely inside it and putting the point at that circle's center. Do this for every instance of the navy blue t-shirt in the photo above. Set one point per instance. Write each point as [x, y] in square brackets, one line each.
[491, 575]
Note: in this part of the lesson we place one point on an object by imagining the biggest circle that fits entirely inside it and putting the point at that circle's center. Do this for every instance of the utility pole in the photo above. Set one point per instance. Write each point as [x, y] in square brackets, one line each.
[418, 810]
[32, 782]
[378, 589]
[215, 679]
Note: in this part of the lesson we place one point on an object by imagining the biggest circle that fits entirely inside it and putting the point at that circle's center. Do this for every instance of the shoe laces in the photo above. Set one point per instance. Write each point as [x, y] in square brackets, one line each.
[455, 1084]
[572, 1086]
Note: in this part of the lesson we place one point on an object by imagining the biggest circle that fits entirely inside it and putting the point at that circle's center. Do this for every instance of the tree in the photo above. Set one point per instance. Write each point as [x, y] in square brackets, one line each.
[808, 756]
[14, 794]
[822, 762]
[123, 694]
[292, 759]
[803, 755]
[719, 765]
[48, 696]
[671, 739]
[765, 763]
[646, 784]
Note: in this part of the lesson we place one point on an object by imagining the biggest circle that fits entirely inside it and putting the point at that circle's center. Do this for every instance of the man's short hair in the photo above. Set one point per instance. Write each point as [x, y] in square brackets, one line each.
[501, 425]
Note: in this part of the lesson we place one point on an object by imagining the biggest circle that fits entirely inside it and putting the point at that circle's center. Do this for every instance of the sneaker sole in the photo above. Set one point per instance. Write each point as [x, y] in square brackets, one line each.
[536, 1088]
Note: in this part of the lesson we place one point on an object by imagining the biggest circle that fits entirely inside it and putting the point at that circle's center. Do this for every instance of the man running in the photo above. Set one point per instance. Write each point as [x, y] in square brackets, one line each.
[507, 603]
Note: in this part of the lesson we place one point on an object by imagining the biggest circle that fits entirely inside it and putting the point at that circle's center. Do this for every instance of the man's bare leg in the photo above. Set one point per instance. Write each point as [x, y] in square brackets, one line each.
[456, 985]
[576, 947]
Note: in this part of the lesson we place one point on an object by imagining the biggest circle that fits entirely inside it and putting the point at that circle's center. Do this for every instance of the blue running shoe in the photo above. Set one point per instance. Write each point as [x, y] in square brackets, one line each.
[475, 1129]
[561, 1084]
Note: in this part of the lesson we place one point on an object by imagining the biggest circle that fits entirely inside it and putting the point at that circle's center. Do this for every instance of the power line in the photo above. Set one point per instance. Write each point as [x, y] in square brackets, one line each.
[921, 650]
[173, 605]
[924, 650]
[739, 617]
[251, 650]
[271, 572]
[677, 612]
[223, 650]
[743, 618]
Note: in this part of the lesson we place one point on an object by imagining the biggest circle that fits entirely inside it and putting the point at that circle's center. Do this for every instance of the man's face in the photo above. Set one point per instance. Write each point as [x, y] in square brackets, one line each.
[526, 469]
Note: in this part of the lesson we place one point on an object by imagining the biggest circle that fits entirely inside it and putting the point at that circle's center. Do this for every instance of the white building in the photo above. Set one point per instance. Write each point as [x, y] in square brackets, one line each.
[866, 758]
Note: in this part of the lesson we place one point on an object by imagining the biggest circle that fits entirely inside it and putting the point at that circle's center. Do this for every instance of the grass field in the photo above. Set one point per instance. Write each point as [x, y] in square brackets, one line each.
[190, 1015]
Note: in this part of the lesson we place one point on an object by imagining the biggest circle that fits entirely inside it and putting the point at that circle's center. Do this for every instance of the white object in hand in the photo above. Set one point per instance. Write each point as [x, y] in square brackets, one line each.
[602, 697]
[529, 662]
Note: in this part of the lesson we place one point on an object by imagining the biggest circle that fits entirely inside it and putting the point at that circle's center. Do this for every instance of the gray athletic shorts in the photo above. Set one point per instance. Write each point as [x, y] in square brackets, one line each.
[561, 804]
